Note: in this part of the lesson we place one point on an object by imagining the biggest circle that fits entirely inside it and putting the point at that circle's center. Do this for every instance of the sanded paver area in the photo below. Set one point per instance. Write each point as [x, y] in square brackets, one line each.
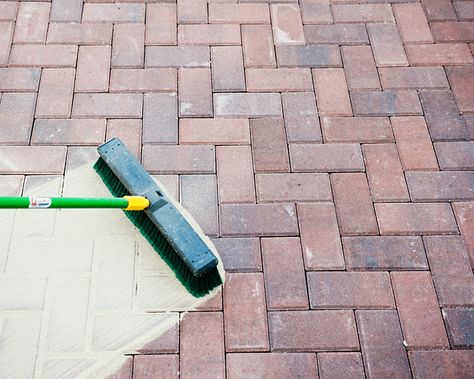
[325, 146]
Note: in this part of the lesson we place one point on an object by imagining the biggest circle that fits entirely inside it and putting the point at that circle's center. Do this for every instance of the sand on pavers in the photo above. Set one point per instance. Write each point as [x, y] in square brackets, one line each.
[82, 287]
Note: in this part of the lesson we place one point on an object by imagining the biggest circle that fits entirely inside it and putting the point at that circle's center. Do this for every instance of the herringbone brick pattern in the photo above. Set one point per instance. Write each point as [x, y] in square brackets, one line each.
[327, 147]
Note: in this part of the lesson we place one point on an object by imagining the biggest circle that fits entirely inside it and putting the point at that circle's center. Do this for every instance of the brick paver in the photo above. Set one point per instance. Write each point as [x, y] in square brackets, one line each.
[326, 146]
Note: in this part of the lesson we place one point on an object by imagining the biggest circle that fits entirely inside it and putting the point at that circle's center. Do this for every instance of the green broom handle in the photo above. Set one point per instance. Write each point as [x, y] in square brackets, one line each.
[63, 202]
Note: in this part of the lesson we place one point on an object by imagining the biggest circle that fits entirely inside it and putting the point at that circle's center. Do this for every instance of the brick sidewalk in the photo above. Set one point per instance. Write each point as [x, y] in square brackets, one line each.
[325, 146]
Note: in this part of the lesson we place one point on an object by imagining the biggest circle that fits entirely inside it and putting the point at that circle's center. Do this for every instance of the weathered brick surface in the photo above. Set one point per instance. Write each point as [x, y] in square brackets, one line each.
[439, 10]
[454, 290]
[381, 343]
[285, 283]
[301, 117]
[469, 120]
[313, 331]
[202, 345]
[170, 159]
[413, 77]
[239, 254]
[337, 365]
[131, 12]
[460, 326]
[198, 195]
[165, 366]
[55, 93]
[107, 105]
[359, 67]
[239, 13]
[308, 56]
[331, 92]
[344, 34]
[362, 13]
[452, 31]
[462, 84]
[451, 270]
[442, 364]
[214, 131]
[413, 143]
[442, 115]
[465, 217]
[244, 310]
[415, 218]
[269, 147]
[386, 103]
[252, 105]
[387, 45]
[447, 255]
[66, 10]
[257, 46]
[31, 23]
[16, 117]
[235, 181]
[354, 208]
[6, 35]
[278, 79]
[227, 69]
[412, 23]
[258, 220]
[357, 129]
[42, 55]
[292, 187]
[316, 11]
[244, 365]
[177, 56]
[12, 185]
[79, 34]
[464, 11]
[320, 239]
[384, 253]
[127, 45]
[93, 69]
[190, 11]
[455, 155]
[438, 54]
[195, 92]
[160, 118]
[8, 10]
[127, 130]
[339, 290]
[419, 312]
[441, 186]
[161, 26]
[32, 160]
[384, 173]
[287, 24]
[326, 158]
[143, 80]
[68, 131]
[212, 34]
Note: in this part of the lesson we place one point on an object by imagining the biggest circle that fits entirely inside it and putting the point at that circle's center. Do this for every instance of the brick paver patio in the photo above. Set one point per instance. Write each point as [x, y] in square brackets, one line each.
[326, 146]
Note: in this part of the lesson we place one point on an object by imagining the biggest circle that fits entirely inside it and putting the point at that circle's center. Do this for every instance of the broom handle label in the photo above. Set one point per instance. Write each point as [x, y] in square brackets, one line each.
[39, 202]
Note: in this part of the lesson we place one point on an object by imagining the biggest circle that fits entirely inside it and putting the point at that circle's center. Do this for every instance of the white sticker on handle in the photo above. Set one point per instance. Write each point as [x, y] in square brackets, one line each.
[39, 202]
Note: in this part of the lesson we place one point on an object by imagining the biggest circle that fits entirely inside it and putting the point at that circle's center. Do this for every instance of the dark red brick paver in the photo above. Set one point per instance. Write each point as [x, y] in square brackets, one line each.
[340, 365]
[382, 344]
[442, 364]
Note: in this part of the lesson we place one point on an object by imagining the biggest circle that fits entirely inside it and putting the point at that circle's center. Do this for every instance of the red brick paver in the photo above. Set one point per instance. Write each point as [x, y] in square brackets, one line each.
[326, 146]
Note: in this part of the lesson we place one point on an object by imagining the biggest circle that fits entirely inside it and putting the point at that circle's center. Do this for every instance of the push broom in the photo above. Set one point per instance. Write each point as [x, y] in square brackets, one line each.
[159, 220]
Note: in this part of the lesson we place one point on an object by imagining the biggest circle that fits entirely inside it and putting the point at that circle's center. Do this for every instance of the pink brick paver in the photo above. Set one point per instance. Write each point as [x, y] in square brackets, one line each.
[326, 147]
